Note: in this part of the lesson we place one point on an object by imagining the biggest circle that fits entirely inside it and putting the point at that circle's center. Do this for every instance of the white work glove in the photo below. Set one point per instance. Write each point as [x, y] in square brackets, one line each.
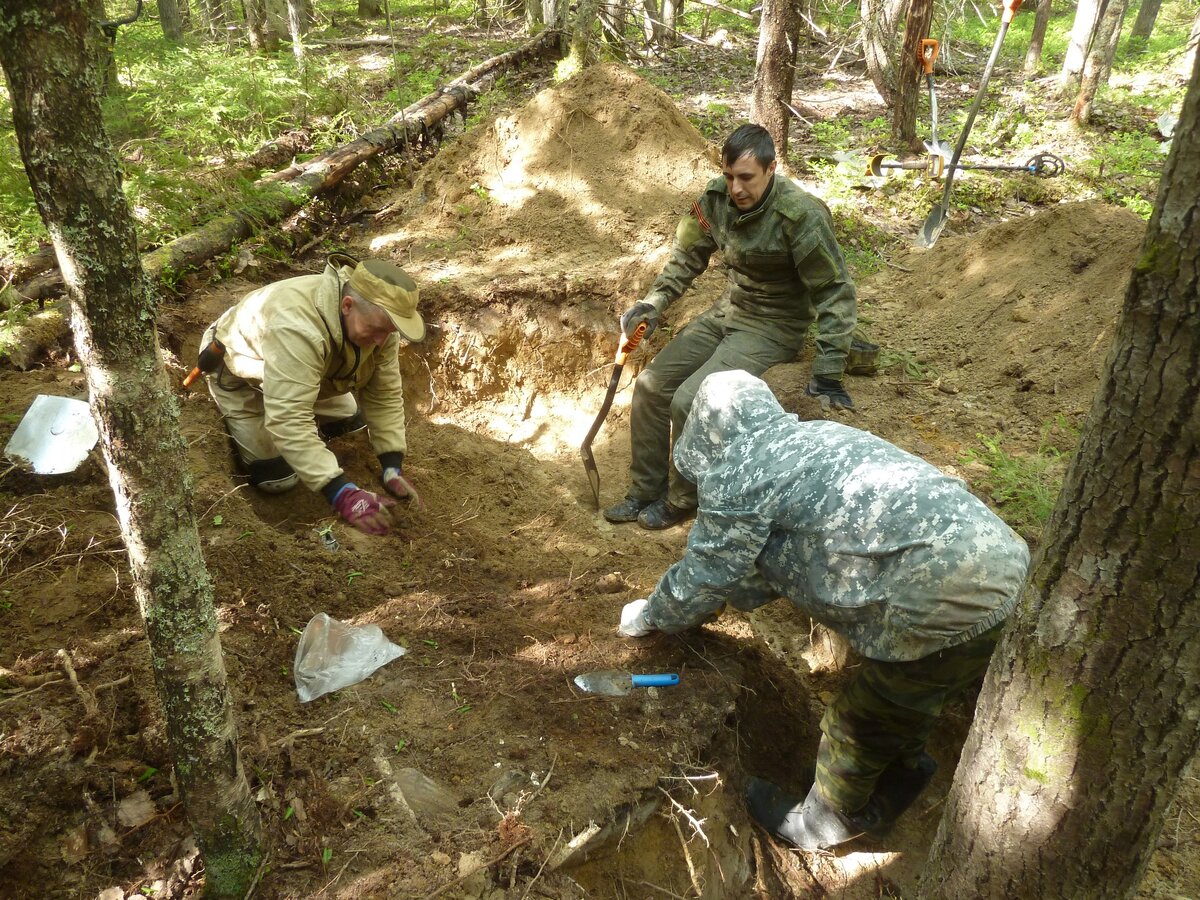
[633, 619]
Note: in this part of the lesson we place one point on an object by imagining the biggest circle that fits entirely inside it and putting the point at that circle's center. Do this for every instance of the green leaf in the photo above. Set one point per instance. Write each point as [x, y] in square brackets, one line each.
[350, 578]
[433, 644]
[288, 813]
[147, 775]
[326, 855]
[389, 707]
[218, 520]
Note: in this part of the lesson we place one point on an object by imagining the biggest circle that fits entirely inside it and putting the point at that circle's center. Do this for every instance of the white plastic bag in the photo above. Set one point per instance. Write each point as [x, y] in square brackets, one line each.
[333, 655]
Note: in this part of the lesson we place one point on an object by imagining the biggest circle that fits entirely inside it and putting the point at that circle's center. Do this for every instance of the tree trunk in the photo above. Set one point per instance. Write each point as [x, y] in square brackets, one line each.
[880, 20]
[1033, 55]
[370, 9]
[171, 20]
[263, 38]
[284, 192]
[580, 52]
[651, 22]
[1087, 15]
[775, 71]
[1088, 713]
[1099, 59]
[77, 187]
[671, 10]
[911, 80]
[1144, 23]
[297, 19]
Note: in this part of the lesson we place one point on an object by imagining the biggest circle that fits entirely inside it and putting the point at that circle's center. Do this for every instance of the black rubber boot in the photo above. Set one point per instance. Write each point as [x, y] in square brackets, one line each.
[660, 514]
[342, 427]
[810, 825]
[272, 476]
[626, 511]
[898, 788]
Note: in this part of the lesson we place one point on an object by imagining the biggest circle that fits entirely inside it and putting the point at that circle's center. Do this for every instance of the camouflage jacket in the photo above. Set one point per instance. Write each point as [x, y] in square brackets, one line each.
[863, 537]
[784, 269]
[286, 340]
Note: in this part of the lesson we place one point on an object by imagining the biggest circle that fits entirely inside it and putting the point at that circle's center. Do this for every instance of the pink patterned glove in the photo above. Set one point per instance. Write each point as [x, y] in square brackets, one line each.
[365, 511]
[400, 487]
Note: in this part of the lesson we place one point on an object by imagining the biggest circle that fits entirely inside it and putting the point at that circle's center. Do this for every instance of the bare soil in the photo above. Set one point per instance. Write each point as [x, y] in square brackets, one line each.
[473, 763]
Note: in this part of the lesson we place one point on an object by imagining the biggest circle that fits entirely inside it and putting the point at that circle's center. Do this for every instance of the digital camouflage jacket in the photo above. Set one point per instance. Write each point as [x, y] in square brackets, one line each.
[861, 536]
[286, 339]
[784, 269]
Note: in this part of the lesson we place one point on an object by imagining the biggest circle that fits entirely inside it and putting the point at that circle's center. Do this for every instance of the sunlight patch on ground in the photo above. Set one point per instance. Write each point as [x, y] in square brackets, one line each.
[373, 62]
[856, 865]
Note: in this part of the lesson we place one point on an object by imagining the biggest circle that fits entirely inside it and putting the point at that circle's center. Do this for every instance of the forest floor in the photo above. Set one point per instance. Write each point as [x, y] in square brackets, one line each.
[473, 763]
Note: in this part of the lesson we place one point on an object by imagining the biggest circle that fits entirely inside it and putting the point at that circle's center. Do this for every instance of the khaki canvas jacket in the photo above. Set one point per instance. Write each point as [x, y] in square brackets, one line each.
[861, 536]
[286, 340]
[785, 269]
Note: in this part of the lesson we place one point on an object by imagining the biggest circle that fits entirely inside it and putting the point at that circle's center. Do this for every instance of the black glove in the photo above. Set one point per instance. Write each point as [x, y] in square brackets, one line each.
[824, 386]
[636, 315]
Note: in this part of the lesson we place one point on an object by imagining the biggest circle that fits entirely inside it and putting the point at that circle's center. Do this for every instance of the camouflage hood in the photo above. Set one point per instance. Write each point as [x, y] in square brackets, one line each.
[730, 407]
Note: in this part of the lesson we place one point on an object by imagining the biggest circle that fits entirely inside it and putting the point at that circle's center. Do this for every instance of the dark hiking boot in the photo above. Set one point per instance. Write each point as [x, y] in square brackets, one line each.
[810, 825]
[342, 427]
[660, 514]
[898, 788]
[626, 511]
[272, 476]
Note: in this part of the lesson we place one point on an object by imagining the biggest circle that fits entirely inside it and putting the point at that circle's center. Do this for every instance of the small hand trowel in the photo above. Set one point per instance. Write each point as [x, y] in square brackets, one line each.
[613, 683]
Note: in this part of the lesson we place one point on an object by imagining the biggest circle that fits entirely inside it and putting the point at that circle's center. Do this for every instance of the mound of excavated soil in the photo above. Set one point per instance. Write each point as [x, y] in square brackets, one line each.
[588, 179]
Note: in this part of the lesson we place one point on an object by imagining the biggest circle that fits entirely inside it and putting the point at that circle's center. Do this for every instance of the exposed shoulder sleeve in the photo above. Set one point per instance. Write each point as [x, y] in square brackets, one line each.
[383, 400]
[293, 366]
[821, 267]
[692, 248]
[719, 567]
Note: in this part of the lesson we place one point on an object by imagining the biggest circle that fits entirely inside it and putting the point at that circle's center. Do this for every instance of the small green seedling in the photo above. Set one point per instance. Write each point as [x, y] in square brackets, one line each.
[288, 813]
[433, 644]
[350, 578]
[326, 855]
[147, 775]
[245, 534]
[400, 745]
[218, 521]
[388, 706]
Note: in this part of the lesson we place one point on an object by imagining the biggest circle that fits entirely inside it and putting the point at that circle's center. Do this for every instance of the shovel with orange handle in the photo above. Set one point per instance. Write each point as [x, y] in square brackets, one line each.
[625, 346]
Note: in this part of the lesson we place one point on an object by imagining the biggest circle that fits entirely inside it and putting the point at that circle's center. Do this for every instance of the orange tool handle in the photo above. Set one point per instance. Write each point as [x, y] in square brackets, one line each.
[630, 343]
[1010, 10]
[210, 357]
[929, 53]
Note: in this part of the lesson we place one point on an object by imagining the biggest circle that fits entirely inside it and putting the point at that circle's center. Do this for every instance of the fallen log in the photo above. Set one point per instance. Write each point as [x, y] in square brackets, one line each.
[284, 192]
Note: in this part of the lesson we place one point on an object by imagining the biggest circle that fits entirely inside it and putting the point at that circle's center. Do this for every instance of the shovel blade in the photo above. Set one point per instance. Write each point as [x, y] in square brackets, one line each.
[593, 474]
[55, 436]
[932, 227]
[610, 684]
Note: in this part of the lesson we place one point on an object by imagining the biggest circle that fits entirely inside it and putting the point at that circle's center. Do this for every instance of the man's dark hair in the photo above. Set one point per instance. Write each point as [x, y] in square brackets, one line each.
[753, 139]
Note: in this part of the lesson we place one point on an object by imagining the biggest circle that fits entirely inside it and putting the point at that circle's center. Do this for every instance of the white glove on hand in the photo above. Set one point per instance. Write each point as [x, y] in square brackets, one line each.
[633, 619]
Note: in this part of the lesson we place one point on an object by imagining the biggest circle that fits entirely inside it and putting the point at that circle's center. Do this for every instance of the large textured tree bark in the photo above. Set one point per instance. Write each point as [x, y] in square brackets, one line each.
[261, 30]
[1144, 23]
[1033, 54]
[1087, 15]
[586, 17]
[880, 21]
[286, 191]
[370, 9]
[1088, 713]
[1099, 59]
[77, 186]
[775, 71]
[911, 80]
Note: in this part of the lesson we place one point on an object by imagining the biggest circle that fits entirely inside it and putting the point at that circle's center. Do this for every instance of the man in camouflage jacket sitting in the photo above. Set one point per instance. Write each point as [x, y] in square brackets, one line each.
[917, 574]
[295, 352]
[784, 270]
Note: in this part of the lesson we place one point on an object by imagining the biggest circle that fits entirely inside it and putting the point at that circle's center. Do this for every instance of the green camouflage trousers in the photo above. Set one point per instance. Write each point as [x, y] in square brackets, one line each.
[663, 394]
[886, 713]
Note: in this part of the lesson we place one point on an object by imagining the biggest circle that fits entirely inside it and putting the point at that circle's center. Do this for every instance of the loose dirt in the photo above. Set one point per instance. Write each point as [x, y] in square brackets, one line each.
[472, 763]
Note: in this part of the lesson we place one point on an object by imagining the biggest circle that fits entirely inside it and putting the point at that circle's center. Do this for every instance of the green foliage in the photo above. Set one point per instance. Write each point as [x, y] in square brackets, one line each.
[1025, 485]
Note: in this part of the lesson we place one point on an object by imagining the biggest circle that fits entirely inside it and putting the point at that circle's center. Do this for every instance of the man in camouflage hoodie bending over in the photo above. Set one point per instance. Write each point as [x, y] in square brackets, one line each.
[914, 571]
[784, 270]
